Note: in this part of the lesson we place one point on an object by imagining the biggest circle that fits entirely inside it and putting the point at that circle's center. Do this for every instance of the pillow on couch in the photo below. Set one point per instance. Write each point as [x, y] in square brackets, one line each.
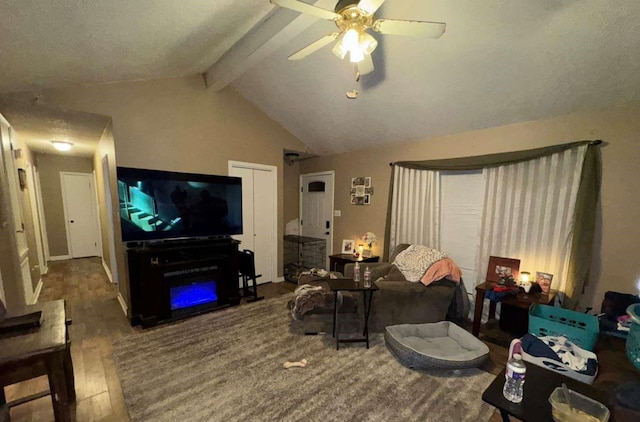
[414, 261]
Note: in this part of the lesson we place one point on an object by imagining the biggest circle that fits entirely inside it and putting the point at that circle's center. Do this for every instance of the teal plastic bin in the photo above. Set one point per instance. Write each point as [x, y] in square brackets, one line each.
[581, 329]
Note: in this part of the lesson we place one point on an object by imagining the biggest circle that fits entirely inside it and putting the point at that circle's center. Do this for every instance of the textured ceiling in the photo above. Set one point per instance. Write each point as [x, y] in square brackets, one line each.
[499, 61]
[37, 126]
[64, 42]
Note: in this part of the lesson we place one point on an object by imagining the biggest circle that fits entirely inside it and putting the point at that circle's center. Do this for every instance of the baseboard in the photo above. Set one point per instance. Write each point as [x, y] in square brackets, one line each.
[123, 304]
[279, 279]
[107, 270]
[59, 257]
[36, 294]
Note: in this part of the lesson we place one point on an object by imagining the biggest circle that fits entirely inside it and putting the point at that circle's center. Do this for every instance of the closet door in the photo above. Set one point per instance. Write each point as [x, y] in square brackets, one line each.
[259, 215]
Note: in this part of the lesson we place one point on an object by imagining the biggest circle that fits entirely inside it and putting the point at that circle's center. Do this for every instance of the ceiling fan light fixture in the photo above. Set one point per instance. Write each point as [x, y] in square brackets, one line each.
[367, 42]
[356, 55]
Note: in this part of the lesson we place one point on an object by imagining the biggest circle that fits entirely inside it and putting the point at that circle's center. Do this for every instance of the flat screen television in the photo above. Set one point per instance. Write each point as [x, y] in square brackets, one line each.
[157, 205]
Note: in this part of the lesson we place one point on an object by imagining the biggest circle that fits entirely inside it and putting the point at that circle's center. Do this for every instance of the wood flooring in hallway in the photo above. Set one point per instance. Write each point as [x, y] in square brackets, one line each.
[98, 320]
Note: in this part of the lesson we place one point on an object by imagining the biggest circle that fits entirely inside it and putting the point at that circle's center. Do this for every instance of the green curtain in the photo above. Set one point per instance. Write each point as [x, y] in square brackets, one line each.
[586, 201]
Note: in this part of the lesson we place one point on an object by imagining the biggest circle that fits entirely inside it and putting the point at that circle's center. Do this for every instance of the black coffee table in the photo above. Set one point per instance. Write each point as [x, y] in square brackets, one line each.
[348, 285]
[538, 386]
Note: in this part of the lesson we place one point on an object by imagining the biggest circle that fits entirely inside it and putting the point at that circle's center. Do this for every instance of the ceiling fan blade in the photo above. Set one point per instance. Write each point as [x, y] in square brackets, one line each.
[366, 65]
[370, 6]
[309, 9]
[410, 28]
[314, 46]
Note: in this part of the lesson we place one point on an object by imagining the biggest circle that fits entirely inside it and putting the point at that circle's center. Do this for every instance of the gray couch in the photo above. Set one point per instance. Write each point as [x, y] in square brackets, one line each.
[402, 302]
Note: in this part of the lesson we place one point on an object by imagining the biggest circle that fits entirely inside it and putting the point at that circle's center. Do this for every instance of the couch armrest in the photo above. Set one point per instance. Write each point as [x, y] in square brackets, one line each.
[378, 269]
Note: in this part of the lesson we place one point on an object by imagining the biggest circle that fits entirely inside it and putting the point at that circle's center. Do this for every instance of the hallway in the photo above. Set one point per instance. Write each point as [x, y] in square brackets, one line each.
[97, 320]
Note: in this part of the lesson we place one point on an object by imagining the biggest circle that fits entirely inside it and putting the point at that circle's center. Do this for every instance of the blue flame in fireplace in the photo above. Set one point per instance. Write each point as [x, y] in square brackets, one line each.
[194, 294]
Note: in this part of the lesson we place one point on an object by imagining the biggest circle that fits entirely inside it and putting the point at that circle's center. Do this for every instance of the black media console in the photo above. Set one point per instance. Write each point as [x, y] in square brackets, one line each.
[178, 279]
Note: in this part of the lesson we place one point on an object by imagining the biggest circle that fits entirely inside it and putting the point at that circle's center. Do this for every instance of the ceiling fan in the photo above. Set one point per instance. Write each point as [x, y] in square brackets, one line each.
[353, 18]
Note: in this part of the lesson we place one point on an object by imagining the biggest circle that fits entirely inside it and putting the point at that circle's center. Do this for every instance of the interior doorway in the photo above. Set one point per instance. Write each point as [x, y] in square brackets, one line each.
[259, 215]
[316, 208]
[80, 211]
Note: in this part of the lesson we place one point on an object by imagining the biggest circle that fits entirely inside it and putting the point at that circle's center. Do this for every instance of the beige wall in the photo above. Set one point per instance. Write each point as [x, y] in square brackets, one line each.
[180, 125]
[49, 167]
[615, 262]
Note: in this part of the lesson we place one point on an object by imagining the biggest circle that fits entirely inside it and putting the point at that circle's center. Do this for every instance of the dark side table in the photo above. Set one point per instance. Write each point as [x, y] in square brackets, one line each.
[338, 261]
[538, 386]
[517, 308]
[348, 285]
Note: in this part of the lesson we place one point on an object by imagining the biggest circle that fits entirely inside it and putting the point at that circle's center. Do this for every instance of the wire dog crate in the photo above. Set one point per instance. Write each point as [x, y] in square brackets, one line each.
[302, 253]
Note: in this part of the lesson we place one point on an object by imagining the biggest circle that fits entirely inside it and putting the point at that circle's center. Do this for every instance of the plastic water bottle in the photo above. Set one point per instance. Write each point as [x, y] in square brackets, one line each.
[356, 272]
[367, 277]
[516, 370]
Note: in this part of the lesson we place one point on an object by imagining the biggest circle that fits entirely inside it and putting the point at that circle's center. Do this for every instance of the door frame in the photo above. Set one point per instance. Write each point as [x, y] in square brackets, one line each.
[37, 218]
[273, 170]
[331, 173]
[111, 230]
[94, 209]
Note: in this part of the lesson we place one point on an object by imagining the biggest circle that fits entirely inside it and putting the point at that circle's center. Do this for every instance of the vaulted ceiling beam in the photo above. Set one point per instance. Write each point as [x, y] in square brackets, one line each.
[278, 27]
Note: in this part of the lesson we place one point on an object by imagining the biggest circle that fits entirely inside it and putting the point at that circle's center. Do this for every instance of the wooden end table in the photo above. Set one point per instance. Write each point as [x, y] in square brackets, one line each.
[40, 351]
[522, 301]
[348, 285]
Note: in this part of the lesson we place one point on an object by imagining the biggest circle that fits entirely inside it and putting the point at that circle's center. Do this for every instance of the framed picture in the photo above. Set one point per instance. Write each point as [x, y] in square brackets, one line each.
[359, 190]
[22, 178]
[366, 253]
[367, 182]
[347, 246]
[357, 200]
[357, 181]
[502, 267]
[544, 281]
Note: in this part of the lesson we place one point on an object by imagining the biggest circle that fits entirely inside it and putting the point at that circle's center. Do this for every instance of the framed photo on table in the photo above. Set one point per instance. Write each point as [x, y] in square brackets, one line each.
[544, 281]
[502, 267]
[347, 246]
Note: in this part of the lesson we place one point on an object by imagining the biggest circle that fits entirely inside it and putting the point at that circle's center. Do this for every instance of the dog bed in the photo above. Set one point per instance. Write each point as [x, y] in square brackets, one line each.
[441, 345]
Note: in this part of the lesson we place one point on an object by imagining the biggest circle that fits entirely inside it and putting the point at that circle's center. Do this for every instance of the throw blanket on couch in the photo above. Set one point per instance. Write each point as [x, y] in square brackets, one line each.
[307, 297]
[414, 261]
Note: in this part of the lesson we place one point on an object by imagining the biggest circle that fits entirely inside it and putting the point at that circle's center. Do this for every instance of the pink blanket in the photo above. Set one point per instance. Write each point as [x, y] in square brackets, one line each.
[442, 268]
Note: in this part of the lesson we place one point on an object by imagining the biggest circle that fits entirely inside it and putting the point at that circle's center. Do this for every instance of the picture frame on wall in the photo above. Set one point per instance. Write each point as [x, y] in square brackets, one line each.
[347, 246]
[500, 267]
[367, 182]
[357, 181]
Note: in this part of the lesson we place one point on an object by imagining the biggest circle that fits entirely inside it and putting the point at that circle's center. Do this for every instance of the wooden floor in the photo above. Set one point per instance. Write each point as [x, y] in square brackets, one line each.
[97, 321]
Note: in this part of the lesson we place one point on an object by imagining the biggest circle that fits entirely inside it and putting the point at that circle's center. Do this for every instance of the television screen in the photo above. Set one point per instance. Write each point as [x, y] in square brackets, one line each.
[168, 205]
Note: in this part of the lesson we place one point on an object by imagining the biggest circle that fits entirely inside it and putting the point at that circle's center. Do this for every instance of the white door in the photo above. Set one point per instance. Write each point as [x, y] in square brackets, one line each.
[316, 208]
[80, 213]
[259, 215]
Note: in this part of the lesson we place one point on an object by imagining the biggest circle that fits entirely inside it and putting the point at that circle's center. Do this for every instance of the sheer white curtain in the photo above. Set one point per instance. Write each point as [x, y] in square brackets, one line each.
[415, 207]
[529, 210]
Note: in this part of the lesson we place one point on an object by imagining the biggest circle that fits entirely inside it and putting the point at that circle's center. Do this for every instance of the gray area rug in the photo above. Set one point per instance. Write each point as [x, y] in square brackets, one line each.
[227, 366]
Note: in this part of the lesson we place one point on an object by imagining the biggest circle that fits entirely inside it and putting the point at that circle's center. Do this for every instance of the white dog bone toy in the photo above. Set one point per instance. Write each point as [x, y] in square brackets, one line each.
[300, 364]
